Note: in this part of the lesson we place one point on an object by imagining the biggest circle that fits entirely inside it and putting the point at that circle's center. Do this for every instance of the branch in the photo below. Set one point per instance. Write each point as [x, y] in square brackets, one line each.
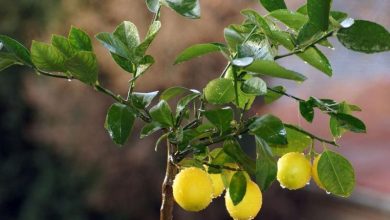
[311, 135]
[285, 94]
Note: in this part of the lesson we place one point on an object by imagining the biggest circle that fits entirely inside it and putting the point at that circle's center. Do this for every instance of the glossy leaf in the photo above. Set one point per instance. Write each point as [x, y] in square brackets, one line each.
[237, 187]
[365, 36]
[254, 86]
[266, 167]
[318, 11]
[127, 33]
[220, 118]
[272, 96]
[309, 33]
[269, 128]
[144, 64]
[183, 102]
[79, 40]
[153, 5]
[256, 47]
[172, 92]
[350, 122]
[119, 122]
[257, 19]
[297, 142]
[336, 174]
[150, 36]
[220, 91]
[271, 68]
[338, 15]
[232, 148]
[311, 55]
[186, 8]
[335, 129]
[272, 5]
[233, 37]
[162, 114]
[219, 158]
[114, 44]
[142, 100]
[17, 49]
[199, 50]
[63, 45]
[46, 57]
[291, 19]
[83, 65]
[7, 60]
[245, 101]
[306, 109]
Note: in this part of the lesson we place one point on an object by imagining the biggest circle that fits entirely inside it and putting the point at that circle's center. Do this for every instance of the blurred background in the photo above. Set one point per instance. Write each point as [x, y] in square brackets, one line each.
[57, 161]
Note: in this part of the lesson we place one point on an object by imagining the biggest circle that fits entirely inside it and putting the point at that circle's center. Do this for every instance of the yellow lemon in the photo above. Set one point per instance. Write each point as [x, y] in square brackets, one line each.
[294, 170]
[249, 206]
[314, 172]
[218, 185]
[193, 189]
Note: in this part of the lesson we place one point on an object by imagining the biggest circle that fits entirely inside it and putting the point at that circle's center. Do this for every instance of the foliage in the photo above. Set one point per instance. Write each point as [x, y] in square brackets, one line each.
[218, 114]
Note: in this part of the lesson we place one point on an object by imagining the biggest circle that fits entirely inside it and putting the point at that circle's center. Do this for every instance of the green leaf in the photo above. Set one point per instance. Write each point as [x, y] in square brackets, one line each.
[63, 45]
[220, 118]
[162, 114]
[46, 57]
[150, 36]
[150, 128]
[153, 5]
[266, 167]
[257, 19]
[172, 92]
[17, 49]
[297, 142]
[293, 20]
[272, 96]
[232, 148]
[145, 63]
[7, 60]
[309, 33]
[271, 68]
[127, 33]
[311, 55]
[233, 37]
[220, 91]
[119, 122]
[272, 5]
[365, 36]
[254, 86]
[336, 174]
[237, 187]
[199, 50]
[338, 15]
[183, 102]
[142, 100]
[350, 122]
[218, 157]
[186, 8]
[83, 65]
[114, 44]
[335, 128]
[124, 63]
[306, 109]
[79, 40]
[318, 11]
[269, 128]
[256, 47]
[245, 101]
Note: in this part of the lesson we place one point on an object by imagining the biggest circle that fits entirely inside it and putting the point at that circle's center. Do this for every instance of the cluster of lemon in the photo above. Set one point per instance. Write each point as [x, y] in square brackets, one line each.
[194, 188]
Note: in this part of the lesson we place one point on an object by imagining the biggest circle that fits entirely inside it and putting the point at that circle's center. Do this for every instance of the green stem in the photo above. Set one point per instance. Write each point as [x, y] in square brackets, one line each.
[311, 135]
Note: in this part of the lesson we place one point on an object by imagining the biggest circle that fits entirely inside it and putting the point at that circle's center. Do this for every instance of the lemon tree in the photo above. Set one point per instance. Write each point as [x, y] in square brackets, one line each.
[203, 127]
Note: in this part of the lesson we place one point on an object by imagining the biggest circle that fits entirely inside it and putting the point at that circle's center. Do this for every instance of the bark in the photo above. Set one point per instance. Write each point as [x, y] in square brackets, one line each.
[167, 201]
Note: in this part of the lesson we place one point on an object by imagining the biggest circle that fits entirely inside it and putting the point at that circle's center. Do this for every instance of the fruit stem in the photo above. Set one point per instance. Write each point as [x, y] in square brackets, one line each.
[167, 201]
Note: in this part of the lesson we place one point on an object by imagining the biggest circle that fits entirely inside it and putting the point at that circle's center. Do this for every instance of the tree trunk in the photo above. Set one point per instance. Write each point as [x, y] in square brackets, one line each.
[167, 201]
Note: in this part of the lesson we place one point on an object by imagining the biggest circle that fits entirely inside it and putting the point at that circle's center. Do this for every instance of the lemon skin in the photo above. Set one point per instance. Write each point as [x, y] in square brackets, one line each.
[193, 189]
[294, 170]
[249, 206]
[218, 186]
[314, 172]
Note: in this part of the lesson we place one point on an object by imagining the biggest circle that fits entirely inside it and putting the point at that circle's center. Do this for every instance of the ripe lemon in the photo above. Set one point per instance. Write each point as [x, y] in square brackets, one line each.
[294, 170]
[218, 186]
[228, 174]
[314, 172]
[193, 189]
[249, 206]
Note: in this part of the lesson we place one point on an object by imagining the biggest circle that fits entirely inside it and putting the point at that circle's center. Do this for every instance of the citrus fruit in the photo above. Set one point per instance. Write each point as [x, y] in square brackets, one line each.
[218, 185]
[314, 172]
[294, 170]
[249, 206]
[193, 189]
